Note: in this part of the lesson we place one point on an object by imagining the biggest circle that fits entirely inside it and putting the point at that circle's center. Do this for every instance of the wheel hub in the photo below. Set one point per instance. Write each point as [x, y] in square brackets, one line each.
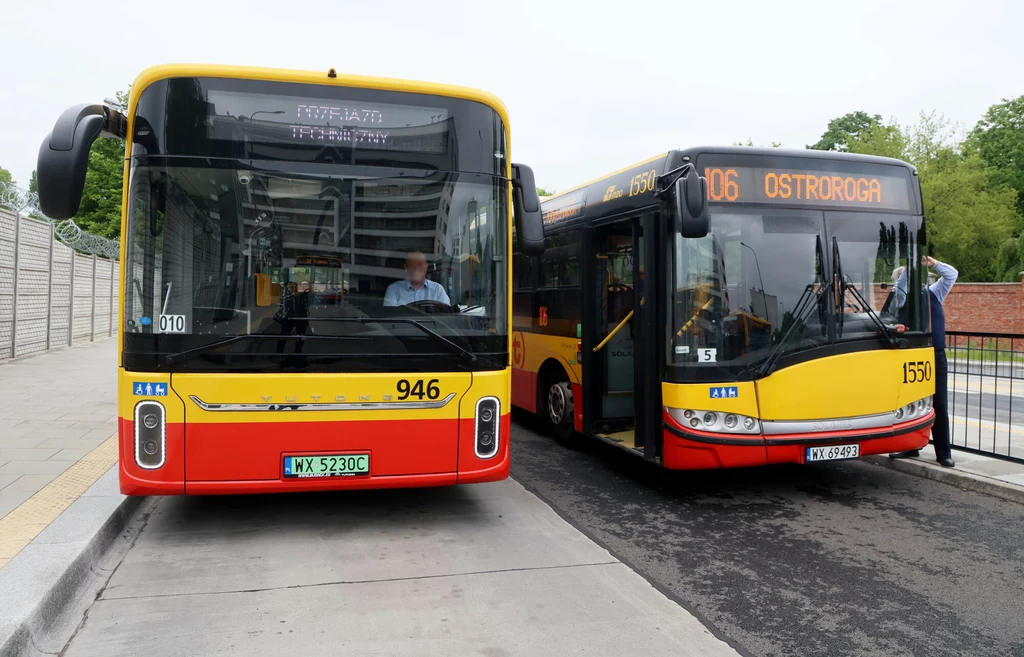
[560, 402]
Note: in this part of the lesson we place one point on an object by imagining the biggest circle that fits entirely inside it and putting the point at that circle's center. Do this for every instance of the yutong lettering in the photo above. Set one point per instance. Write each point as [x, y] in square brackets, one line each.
[822, 188]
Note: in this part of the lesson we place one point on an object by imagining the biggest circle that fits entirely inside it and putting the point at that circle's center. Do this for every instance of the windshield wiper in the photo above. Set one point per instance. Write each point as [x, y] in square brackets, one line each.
[464, 353]
[235, 338]
[841, 309]
[808, 301]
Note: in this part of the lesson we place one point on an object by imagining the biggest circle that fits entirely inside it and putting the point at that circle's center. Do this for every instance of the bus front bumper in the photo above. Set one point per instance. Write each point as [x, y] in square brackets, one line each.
[688, 449]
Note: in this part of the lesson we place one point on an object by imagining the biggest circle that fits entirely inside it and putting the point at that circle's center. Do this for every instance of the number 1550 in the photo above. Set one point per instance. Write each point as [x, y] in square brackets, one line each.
[914, 371]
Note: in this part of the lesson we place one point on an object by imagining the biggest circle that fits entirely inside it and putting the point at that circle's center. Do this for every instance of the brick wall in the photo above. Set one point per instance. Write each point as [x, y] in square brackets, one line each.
[980, 307]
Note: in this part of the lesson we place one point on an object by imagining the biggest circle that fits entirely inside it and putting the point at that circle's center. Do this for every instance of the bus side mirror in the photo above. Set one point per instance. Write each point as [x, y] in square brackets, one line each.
[690, 199]
[526, 206]
[64, 158]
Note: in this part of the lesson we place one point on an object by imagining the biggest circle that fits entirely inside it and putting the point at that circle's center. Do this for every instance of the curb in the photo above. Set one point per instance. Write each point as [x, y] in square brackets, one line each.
[60, 589]
[953, 477]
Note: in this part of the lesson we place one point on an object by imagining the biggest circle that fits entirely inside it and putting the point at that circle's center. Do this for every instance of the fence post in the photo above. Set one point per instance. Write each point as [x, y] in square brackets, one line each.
[49, 291]
[112, 315]
[71, 307]
[92, 307]
[14, 288]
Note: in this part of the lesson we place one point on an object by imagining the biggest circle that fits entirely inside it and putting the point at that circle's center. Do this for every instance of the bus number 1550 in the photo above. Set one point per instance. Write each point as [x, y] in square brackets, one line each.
[914, 371]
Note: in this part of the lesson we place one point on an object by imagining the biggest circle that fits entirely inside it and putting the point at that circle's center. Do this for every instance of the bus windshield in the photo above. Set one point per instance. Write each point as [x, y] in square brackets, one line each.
[768, 278]
[337, 223]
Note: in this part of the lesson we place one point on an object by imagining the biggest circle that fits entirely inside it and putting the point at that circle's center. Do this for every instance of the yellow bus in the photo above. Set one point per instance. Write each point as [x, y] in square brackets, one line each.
[726, 307]
[265, 215]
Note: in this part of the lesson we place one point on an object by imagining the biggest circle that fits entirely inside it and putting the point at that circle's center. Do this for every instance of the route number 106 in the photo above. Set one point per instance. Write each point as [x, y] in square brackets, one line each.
[914, 371]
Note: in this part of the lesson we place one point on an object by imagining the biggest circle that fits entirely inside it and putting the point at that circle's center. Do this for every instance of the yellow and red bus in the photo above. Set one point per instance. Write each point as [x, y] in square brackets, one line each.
[249, 360]
[757, 328]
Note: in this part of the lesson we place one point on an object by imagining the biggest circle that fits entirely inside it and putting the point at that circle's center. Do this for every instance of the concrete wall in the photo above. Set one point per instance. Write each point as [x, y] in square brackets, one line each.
[50, 296]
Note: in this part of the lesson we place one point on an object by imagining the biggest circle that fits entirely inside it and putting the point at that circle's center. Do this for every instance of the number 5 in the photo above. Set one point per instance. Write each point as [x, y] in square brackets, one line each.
[707, 355]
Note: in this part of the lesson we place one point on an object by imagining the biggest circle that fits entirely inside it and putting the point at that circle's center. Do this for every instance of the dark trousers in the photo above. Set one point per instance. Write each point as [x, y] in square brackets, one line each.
[940, 431]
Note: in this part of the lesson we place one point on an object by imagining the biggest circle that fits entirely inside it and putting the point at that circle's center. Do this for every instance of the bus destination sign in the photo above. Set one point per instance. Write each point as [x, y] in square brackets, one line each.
[806, 187]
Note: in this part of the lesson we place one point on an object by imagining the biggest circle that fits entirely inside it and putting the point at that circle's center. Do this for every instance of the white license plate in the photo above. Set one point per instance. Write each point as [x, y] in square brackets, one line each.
[833, 453]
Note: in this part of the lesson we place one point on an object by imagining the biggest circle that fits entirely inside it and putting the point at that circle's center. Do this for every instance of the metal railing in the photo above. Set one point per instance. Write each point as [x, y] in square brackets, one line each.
[986, 375]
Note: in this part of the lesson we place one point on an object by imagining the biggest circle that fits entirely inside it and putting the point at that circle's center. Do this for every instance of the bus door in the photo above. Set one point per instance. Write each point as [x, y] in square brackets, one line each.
[615, 292]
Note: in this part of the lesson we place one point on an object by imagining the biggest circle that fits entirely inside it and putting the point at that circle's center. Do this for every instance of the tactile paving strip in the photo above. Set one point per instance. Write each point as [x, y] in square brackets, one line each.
[20, 526]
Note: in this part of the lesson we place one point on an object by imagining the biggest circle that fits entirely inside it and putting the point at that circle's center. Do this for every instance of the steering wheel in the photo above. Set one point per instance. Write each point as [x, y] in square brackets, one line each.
[430, 306]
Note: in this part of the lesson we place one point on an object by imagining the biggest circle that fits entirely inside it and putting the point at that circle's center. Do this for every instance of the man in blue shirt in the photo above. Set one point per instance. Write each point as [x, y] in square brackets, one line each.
[415, 287]
[937, 292]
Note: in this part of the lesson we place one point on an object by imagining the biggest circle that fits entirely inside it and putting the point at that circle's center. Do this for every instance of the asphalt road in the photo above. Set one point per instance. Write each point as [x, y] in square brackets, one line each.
[835, 559]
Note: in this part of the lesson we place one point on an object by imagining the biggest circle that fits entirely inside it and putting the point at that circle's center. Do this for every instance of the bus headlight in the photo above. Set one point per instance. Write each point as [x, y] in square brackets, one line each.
[150, 434]
[915, 409]
[486, 428]
[714, 420]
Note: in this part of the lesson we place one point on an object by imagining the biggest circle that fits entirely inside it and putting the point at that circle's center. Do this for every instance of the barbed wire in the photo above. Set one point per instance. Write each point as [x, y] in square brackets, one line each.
[23, 202]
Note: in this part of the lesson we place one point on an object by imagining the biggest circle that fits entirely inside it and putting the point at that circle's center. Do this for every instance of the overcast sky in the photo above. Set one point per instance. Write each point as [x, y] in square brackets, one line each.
[591, 86]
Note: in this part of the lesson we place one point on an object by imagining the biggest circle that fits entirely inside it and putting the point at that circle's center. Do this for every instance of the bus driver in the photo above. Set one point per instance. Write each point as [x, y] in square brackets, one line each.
[415, 287]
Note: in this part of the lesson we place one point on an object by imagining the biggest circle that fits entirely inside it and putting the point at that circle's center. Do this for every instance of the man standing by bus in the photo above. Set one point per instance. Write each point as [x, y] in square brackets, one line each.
[937, 292]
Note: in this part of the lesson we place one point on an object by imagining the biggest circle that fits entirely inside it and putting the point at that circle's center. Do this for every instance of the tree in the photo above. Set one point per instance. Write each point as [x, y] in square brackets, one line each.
[33, 183]
[750, 143]
[969, 215]
[543, 192]
[5, 176]
[840, 131]
[100, 211]
[999, 139]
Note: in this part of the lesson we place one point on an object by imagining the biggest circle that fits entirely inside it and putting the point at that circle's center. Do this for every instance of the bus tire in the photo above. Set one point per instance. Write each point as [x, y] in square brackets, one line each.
[558, 407]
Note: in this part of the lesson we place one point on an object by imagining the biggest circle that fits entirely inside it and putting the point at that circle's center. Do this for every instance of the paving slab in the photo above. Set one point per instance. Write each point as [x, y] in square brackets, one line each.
[473, 570]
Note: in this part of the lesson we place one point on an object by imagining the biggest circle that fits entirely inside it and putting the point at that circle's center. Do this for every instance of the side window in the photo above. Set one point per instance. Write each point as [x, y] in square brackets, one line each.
[550, 271]
[572, 271]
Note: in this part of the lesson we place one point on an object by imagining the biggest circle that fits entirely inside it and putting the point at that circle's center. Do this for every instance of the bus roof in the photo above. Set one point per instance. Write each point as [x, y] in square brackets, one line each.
[329, 77]
[632, 188]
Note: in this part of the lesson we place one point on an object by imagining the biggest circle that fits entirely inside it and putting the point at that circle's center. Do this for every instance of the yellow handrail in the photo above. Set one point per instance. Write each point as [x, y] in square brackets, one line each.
[614, 331]
[687, 325]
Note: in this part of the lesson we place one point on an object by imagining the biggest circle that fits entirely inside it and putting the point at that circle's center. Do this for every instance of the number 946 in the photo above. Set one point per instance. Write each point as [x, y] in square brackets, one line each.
[914, 371]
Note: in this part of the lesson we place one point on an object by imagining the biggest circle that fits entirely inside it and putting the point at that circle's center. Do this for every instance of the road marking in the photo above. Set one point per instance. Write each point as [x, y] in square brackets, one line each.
[20, 526]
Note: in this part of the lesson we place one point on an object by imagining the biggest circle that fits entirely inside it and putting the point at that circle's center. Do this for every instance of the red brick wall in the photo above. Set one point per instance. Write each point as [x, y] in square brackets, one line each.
[981, 307]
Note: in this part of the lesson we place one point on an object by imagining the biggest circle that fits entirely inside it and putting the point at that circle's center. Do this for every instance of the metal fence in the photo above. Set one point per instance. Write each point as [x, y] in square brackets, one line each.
[25, 203]
[50, 295]
[986, 375]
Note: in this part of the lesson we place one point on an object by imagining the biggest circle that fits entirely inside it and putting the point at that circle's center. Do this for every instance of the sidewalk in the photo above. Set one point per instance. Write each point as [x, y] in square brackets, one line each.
[55, 409]
[983, 474]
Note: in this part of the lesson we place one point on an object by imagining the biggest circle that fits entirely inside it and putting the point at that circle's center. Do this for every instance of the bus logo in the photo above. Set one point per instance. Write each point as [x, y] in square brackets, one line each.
[518, 350]
[611, 193]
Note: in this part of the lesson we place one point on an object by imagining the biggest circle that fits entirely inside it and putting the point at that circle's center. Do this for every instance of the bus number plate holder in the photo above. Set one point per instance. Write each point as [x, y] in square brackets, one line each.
[326, 465]
[833, 453]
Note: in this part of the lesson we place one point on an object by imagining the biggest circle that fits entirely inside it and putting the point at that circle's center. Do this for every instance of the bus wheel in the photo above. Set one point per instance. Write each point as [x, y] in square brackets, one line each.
[560, 409]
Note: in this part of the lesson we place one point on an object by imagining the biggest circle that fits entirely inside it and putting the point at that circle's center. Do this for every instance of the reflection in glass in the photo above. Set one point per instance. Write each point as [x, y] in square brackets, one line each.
[238, 252]
[762, 285]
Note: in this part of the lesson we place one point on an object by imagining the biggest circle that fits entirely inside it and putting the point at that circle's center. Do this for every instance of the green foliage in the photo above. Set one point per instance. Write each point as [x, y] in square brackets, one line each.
[970, 216]
[999, 139]
[543, 192]
[5, 176]
[33, 183]
[750, 143]
[100, 211]
[840, 131]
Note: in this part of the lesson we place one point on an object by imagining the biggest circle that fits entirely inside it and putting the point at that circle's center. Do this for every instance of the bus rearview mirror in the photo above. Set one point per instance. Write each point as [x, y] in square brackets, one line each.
[64, 158]
[526, 209]
[691, 205]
